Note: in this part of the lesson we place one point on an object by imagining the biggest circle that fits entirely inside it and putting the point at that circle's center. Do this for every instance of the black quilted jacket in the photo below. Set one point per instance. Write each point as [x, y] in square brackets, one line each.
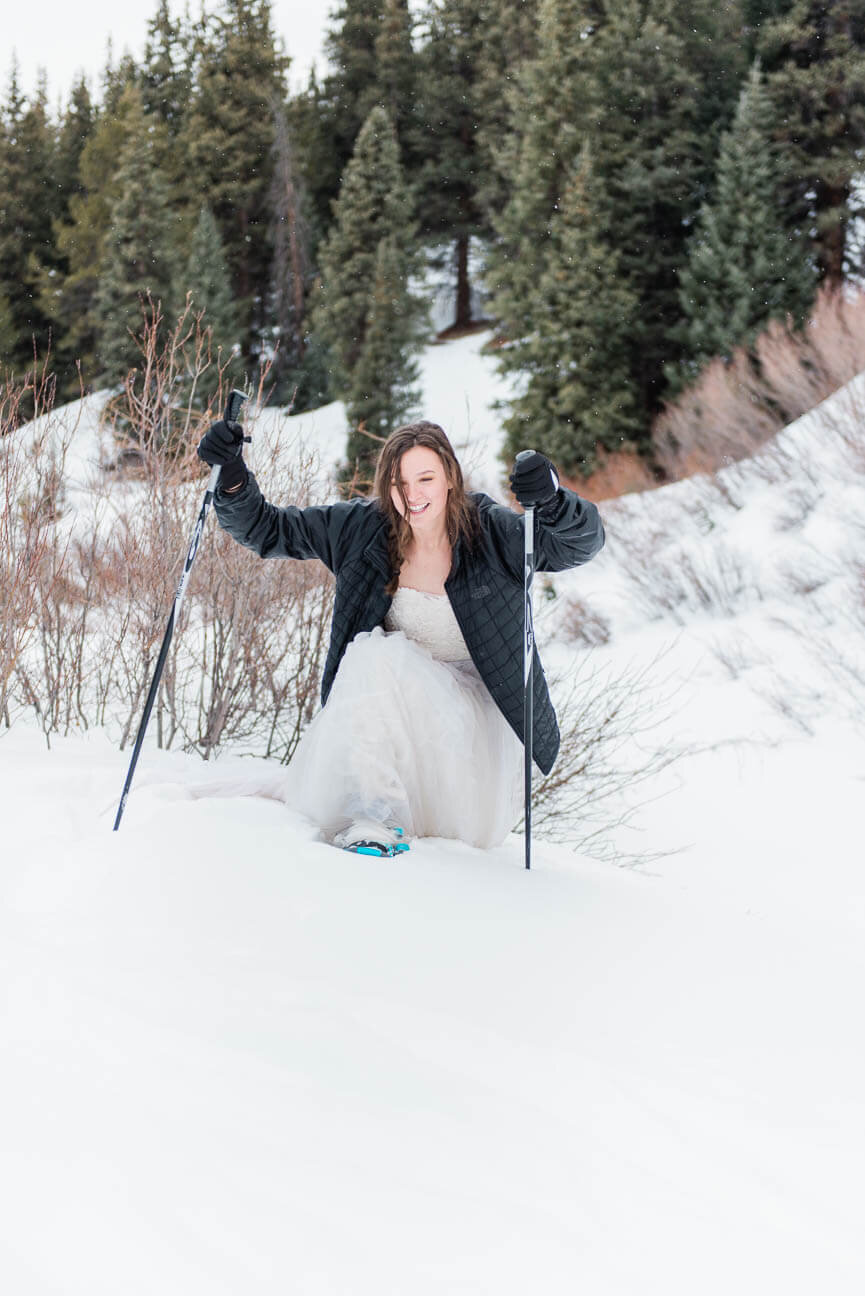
[485, 587]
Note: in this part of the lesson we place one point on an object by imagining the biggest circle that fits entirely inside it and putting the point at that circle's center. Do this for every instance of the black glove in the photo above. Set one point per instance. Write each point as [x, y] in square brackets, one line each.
[222, 445]
[534, 480]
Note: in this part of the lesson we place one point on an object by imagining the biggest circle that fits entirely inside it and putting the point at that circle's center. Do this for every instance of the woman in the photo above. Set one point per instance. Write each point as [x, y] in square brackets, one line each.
[421, 727]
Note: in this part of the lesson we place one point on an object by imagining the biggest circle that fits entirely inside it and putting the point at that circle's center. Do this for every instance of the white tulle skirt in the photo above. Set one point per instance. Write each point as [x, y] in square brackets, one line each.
[409, 741]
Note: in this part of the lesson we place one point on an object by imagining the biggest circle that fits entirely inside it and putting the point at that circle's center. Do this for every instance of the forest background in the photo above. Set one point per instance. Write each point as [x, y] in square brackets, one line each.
[631, 193]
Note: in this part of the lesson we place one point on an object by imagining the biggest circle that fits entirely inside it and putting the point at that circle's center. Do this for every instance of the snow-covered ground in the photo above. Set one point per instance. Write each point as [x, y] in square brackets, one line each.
[236, 1060]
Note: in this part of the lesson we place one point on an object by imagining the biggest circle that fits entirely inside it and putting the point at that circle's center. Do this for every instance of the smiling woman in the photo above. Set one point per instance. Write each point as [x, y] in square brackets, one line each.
[421, 728]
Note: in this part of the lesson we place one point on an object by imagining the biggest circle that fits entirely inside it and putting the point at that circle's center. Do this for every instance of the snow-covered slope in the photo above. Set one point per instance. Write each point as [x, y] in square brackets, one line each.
[233, 1059]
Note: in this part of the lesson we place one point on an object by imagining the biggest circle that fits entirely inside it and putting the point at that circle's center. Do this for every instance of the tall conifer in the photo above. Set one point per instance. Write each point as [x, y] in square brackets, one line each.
[29, 201]
[450, 176]
[137, 263]
[68, 297]
[814, 58]
[228, 135]
[374, 208]
[578, 394]
[552, 108]
[745, 264]
[383, 387]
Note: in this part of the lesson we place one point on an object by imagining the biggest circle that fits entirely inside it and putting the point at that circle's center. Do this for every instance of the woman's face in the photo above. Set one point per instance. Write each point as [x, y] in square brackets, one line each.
[425, 486]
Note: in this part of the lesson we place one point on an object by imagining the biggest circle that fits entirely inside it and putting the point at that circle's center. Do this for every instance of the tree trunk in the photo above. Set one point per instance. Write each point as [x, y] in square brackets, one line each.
[464, 308]
[831, 239]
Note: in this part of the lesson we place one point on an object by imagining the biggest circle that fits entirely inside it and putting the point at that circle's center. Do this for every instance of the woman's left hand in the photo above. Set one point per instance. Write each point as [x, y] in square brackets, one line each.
[534, 480]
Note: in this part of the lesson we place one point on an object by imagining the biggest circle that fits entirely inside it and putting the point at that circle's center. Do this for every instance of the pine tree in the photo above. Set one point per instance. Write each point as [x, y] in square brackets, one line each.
[228, 136]
[552, 108]
[137, 265]
[579, 394]
[29, 201]
[7, 335]
[67, 297]
[299, 371]
[395, 87]
[346, 92]
[509, 42]
[165, 78]
[745, 266]
[373, 64]
[648, 142]
[374, 208]
[205, 279]
[382, 391]
[450, 175]
[814, 58]
[76, 127]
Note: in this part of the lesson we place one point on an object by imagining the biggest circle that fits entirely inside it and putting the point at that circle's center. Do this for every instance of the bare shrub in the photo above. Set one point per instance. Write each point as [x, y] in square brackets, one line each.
[31, 475]
[737, 655]
[618, 472]
[582, 624]
[725, 416]
[610, 720]
[798, 504]
[838, 650]
[86, 609]
[739, 404]
[666, 580]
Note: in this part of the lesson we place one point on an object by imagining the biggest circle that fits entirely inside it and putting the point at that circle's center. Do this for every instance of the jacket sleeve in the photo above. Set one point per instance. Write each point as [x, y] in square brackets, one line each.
[568, 533]
[323, 531]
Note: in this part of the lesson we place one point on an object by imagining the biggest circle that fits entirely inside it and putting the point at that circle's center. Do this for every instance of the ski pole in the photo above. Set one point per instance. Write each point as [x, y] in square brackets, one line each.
[232, 413]
[528, 664]
[529, 673]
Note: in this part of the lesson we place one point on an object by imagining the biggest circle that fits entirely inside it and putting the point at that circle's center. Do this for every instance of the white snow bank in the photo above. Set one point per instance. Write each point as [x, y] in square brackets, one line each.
[235, 1059]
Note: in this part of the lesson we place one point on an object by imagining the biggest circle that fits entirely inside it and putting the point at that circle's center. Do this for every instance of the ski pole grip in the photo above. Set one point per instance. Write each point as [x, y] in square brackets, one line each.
[233, 405]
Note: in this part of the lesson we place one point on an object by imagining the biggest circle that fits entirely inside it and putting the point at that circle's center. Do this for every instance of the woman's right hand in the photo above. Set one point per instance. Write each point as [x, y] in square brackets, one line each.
[221, 443]
[222, 447]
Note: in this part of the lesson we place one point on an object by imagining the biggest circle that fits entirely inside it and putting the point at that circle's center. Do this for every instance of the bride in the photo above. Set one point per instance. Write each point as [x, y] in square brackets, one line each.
[420, 731]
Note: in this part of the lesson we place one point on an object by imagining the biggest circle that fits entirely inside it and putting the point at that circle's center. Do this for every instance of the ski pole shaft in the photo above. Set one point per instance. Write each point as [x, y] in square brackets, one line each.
[528, 673]
[232, 413]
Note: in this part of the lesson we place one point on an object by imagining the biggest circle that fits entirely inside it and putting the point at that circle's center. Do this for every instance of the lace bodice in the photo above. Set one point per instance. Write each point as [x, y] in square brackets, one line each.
[428, 619]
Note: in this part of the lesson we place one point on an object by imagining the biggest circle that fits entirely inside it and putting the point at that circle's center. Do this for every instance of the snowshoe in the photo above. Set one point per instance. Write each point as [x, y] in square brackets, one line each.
[367, 837]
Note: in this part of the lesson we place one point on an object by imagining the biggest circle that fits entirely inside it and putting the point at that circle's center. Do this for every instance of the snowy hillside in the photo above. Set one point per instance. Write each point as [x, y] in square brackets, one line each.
[235, 1060]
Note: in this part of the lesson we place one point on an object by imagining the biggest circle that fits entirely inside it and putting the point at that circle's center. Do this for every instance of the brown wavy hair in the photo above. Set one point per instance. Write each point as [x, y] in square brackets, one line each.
[461, 515]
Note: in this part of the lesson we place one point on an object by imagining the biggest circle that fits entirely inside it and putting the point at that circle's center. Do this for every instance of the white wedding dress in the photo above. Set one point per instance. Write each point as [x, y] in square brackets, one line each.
[410, 736]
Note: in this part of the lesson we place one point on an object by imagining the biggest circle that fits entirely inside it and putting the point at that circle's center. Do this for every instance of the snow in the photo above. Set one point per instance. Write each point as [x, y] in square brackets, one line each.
[235, 1059]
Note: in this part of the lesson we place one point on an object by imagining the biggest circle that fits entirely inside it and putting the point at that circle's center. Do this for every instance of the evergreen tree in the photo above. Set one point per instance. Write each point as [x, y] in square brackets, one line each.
[509, 41]
[648, 142]
[76, 127]
[345, 99]
[7, 335]
[374, 207]
[579, 394]
[372, 63]
[551, 112]
[450, 174]
[228, 136]
[205, 279]
[814, 58]
[68, 297]
[299, 370]
[29, 200]
[395, 84]
[382, 390]
[137, 265]
[745, 266]
[165, 78]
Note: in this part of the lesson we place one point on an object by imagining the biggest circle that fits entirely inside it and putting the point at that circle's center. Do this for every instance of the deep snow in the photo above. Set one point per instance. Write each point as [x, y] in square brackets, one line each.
[236, 1060]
